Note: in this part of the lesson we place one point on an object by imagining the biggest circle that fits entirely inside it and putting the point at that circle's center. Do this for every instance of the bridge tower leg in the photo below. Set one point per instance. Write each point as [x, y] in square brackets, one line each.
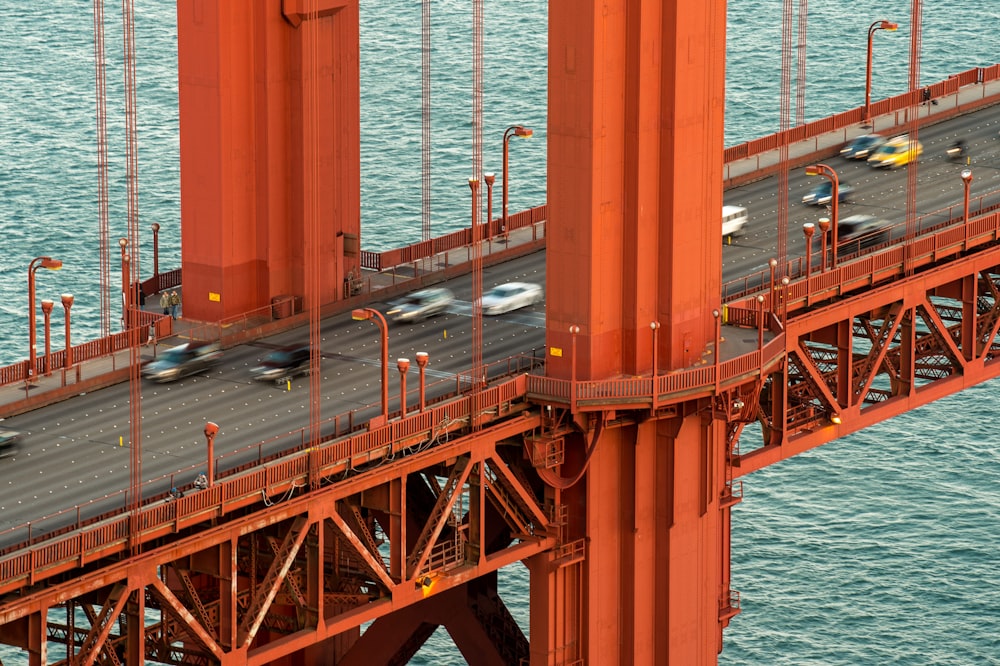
[269, 144]
[634, 253]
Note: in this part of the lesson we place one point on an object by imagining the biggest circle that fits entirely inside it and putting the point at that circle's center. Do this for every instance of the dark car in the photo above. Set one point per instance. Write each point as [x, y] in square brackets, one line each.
[859, 148]
[183, 360]
[823, 193]
[282, 364]
[857, 232]
[10, 442]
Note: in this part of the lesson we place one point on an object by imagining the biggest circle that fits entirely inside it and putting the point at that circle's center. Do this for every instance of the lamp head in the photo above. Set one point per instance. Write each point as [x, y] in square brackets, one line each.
[403, 365]
[50, 263]
[67, 300]
[211, 429]
[888, 25]
[814, 170]
[808, 229]
[122, 242]
[966, 175]
[155, 226]
[361, 314]
[422, 359]
[524, 132]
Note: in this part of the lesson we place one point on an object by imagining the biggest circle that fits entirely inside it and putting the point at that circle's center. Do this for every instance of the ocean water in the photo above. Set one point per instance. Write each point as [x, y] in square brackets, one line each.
[876, 549]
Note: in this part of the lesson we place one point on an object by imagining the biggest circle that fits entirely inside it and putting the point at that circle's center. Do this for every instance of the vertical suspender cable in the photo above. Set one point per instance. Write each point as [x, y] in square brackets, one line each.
[800, 68]
[102, 166]
[425, 115]
[913, 122]
[785, 97]
[477, 174]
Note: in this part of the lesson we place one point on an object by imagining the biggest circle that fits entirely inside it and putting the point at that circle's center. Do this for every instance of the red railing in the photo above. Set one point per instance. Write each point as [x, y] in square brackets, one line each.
[949, 86]
[39, 556]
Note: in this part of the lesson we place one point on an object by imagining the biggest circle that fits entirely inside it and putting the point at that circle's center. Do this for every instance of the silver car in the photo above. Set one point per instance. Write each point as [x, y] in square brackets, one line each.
[422, 304]
[182, 360]
[511, 296]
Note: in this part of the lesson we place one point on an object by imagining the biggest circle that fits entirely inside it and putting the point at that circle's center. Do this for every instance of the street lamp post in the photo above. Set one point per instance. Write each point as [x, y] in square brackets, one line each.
[403, 365]
[824, 229]
[784, 301]
[877, 25]
[422, 364]
[36, 263]
[490, 178]
[211, 430]
[772, 263]
[156, 247]
[808, 229]
[67, 303]
[966, 183]
[47, 312]
[573, 330]
[760, 323]
[831, 175]
[512, 131]
[361, 314]
[123, 243]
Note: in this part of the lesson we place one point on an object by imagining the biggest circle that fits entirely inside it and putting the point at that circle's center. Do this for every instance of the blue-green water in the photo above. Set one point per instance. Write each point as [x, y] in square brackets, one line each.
[876, 549]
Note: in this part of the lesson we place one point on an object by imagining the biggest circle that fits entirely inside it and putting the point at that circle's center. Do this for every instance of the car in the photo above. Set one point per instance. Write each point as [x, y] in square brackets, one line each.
[182, 360]
[511, 296]
[421, 304]
[896, 152]
[862, 231]
[734, 218]
[860, 147]
[10, 442]
[282, 364]
[823, 193]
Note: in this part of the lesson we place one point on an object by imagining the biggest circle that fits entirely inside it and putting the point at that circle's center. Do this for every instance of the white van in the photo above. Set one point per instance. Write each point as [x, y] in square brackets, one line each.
[733, 219]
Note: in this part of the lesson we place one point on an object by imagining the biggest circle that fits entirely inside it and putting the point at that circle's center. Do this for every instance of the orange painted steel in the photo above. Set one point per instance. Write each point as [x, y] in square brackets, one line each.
[611, 476]
[249, 138]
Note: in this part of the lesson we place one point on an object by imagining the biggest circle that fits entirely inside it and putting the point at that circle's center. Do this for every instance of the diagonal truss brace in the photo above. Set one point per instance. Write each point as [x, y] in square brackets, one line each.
[196, 629]
[275, 575]
[439, 516]
[376, 565]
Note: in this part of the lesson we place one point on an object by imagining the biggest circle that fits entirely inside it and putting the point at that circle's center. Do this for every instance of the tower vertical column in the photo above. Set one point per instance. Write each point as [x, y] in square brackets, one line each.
[270, 137]
[636, 100]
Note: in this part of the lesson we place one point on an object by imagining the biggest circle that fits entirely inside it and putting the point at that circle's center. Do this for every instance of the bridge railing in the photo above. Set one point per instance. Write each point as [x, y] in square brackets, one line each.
[949, 86]
[83, 541]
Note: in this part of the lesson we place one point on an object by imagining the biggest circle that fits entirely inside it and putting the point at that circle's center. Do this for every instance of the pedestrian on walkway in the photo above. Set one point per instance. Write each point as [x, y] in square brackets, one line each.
[175, 302]
[165, 302]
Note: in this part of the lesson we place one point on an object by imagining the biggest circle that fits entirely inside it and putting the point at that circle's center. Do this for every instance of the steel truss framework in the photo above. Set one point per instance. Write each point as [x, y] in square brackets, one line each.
[304, 574]
[854, 362]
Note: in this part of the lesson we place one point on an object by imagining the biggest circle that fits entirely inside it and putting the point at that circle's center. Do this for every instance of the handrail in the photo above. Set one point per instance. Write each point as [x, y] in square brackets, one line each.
[45, 555]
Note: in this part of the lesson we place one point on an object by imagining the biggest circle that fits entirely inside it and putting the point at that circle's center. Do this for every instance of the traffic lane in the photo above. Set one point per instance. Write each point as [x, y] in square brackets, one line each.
[229, 396]
[877, 192]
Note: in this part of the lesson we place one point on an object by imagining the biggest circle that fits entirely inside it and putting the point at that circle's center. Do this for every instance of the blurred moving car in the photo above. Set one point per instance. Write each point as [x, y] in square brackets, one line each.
[862, 231]
[822, 194]
[511, 296]
[282, 364]
[182, 360]
[421, 304]
[896, 152]
[861, 147]
[733, 220]
[10, 442]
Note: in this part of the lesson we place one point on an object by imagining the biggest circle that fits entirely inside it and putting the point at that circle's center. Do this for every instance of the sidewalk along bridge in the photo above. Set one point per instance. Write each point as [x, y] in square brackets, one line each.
[388, 273]
[834, 353]
[611, 475]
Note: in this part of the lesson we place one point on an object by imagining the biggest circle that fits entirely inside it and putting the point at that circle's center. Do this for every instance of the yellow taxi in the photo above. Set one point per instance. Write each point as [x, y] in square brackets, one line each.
[896, 152]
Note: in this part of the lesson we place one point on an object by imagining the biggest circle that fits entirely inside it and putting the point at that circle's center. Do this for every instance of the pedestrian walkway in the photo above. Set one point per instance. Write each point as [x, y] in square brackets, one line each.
[111, 369]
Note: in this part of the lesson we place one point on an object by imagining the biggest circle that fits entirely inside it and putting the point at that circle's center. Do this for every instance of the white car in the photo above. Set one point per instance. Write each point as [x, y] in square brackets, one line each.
[511, 296]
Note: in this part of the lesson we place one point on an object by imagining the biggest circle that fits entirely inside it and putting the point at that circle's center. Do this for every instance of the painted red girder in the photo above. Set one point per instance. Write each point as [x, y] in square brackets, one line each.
[258, 588]
[864, 359]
